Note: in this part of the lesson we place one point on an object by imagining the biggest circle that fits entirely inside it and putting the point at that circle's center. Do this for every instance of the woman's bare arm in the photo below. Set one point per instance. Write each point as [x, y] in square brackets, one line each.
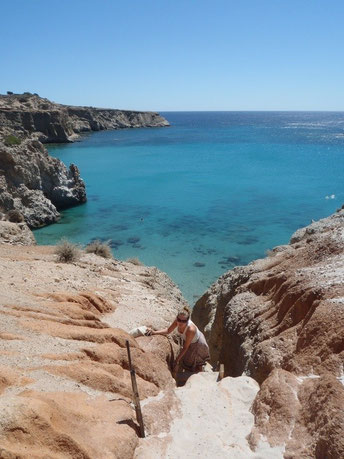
[164, 331]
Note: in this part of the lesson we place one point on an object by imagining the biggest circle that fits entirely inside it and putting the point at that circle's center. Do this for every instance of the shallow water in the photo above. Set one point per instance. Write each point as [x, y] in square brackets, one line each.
[214, 190]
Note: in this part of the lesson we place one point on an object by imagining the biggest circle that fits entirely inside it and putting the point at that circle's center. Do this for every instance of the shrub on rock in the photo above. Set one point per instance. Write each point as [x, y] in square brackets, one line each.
[102, 249]
[11, 140]
[15, 216]
[67, 252]
[135, 261]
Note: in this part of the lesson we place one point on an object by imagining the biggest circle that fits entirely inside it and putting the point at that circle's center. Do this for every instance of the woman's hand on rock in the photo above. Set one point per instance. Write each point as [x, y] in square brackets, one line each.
[149, 332]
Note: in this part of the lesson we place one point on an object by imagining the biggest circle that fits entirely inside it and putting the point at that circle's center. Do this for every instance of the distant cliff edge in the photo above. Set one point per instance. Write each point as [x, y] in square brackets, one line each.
[28, 114]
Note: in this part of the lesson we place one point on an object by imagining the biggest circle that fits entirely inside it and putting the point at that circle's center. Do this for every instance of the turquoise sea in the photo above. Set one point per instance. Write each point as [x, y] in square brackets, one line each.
[214, 190]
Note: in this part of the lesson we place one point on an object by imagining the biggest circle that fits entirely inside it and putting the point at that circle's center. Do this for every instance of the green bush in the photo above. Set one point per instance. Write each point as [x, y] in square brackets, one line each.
[100, 248]
[67, 252]
[12, 140]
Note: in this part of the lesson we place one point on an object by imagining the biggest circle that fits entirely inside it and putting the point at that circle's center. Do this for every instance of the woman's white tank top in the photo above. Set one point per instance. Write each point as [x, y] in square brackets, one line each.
[183, 335]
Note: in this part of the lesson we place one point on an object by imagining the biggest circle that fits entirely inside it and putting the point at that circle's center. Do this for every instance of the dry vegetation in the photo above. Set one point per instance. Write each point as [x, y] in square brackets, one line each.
[135, 261]
[99, 248]
[67, 252]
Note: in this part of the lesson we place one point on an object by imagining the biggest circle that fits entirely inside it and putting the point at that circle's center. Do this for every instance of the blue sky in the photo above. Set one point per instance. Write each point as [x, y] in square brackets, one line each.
[176, 55]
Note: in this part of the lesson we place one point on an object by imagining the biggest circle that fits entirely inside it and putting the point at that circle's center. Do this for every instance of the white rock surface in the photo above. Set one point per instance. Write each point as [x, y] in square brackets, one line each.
[214, 421]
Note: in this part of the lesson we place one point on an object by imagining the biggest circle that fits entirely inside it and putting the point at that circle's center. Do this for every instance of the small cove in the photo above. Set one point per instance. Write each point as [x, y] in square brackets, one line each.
[213, 191]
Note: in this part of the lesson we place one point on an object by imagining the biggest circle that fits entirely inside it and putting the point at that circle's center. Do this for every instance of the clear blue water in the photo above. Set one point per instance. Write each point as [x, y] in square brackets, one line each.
[214, 190]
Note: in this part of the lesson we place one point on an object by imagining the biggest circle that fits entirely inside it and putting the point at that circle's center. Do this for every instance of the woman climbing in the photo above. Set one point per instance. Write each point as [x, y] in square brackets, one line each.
[195, 351]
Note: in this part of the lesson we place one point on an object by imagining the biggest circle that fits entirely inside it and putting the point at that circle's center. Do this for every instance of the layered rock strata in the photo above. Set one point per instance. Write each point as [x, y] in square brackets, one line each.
[64, 377]
[28, 114]
[281, 321]
[37, 185]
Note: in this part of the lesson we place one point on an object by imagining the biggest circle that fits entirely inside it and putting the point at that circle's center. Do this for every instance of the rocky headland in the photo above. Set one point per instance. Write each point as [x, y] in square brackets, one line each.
[28, 114]
[276, 325]
[31, 181]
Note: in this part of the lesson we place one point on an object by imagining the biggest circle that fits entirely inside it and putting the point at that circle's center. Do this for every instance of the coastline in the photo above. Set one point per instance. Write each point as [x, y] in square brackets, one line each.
[239, 203]
[34, 184]
[30, 115]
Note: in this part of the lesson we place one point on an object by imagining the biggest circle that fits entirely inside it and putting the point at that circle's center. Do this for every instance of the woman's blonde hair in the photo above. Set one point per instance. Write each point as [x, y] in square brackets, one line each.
[184, 311]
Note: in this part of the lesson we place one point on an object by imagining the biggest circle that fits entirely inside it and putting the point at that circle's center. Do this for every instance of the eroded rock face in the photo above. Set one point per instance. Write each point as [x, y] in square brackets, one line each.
[57, 424]
[36, 184]
[64, 377]
[304, 413]
[285, 313]
[28, 113]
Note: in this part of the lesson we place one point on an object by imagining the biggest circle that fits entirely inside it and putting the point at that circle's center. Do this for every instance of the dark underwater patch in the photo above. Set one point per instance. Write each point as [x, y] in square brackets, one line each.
[133, 240]
[98, 238]
[93, 197]
[249, 240]
[230, 261]
[119, 227]
[115, 244]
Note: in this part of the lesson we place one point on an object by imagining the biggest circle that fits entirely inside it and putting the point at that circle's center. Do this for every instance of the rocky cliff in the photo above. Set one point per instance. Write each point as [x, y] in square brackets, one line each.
[27, 114]
[280, 320]
[32, 182]
[35, 184]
